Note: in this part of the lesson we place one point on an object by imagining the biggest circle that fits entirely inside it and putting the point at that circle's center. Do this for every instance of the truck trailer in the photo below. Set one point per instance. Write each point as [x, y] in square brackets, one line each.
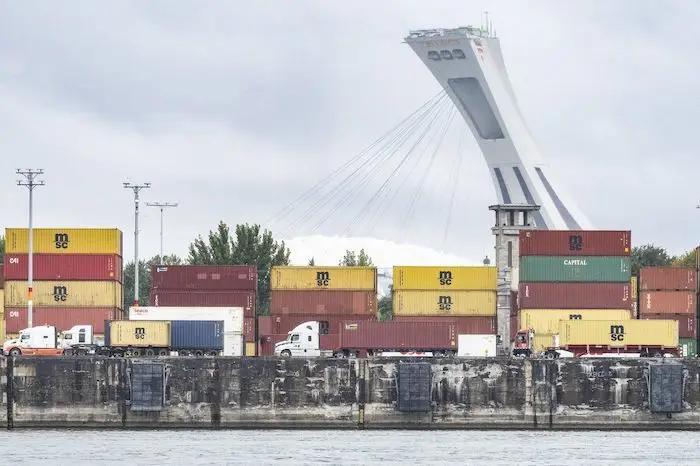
[363, 338]
[123, 338]
[621, 338]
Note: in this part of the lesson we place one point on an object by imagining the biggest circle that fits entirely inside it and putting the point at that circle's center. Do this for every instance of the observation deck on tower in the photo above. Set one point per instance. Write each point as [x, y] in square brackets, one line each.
[468, 63]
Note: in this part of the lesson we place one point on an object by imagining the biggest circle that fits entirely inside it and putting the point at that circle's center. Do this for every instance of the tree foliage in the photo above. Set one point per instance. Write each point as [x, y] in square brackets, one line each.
[2, 249]
[385, 310]
[312, 262]
[685, 260]
[353, 259]
[649, 255]
[144, 278]
[249, 245]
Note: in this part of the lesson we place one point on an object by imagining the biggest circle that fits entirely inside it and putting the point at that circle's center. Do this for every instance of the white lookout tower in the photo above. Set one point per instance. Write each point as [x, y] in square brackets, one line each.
[469, 65]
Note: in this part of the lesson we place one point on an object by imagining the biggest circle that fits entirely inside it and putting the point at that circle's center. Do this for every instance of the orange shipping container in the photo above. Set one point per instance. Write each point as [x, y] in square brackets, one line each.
[666, 302]
[667, 278]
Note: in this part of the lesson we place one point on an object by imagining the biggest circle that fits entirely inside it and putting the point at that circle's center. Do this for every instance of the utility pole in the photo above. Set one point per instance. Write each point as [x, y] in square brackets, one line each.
[162, 206]
[30, 181]
[136, 188]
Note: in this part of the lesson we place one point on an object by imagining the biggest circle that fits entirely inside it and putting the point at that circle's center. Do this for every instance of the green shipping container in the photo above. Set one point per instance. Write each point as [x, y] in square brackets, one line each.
[574, 269]
[689, 347]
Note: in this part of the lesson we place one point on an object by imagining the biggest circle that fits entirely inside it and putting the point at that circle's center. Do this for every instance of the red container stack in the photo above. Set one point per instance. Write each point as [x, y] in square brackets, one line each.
[205, 286]
[669, 293]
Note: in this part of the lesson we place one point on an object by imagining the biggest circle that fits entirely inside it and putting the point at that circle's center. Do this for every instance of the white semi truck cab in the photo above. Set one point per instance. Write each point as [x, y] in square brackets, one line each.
[304, 340]
[44, 340]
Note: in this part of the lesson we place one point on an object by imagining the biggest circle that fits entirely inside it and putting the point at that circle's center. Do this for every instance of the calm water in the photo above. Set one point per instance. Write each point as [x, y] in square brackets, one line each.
[325, 447]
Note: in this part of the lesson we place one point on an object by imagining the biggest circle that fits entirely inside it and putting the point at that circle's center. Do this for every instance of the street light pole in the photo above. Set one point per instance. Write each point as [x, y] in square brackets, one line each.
[136, 188]
[162, 206]
[30, 182]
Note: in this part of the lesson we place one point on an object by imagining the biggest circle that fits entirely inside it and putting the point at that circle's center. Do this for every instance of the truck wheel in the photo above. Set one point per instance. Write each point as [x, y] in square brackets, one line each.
[15, 352]
[286, 354]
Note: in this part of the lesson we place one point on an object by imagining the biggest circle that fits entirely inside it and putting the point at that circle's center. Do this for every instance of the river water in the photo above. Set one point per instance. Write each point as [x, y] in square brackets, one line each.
[406, 448]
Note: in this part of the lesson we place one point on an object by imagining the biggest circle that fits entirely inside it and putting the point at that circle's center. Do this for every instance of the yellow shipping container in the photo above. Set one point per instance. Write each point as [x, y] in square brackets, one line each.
[250, 348]
[66, 294]
[140, 333]
[324, 278]
[547, 320]
[543, 341]
[2, 303]
[444, 303]
[64, 241]
[2, 329]
[619, 333]
[633, 288]
[444, 278]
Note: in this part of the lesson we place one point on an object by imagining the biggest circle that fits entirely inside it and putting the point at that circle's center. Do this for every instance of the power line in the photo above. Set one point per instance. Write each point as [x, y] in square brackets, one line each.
[136, 188]
[162, 206]
[30, 181]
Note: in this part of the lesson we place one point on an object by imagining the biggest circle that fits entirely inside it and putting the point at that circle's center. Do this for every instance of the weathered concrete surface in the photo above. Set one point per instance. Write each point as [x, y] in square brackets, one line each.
[277, 393]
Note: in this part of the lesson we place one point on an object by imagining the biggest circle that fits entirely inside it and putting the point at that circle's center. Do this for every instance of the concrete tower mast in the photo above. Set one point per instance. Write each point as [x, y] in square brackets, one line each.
[468, 63]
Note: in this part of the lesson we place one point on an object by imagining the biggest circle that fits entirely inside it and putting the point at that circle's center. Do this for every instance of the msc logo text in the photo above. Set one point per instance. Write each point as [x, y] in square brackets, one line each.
[575, 242]
[60, 293]
[323, 278]
[445, 277]
[617, 333]
[61, 240]
[445, 303]
[140, 333]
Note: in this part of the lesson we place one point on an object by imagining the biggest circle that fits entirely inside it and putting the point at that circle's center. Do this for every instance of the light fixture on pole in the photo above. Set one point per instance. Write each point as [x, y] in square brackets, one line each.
[162, 206]
[30, 181]
[136, 188]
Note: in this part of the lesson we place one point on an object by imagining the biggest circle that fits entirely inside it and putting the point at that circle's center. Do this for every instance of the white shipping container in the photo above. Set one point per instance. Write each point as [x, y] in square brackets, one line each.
[232, 317]
[476, 345]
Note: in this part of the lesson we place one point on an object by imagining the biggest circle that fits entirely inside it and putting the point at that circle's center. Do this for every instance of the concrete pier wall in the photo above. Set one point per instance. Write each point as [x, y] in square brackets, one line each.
[366, 393]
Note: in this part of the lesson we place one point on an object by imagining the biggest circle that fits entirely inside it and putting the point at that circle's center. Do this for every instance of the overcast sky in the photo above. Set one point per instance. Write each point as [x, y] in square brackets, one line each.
[233, 109]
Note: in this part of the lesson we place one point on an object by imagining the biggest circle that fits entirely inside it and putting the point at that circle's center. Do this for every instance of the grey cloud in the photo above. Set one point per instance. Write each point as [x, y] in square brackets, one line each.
[235, 108]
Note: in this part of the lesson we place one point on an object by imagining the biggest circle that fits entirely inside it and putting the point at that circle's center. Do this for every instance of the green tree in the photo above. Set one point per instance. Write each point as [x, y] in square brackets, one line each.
[685, 260]
[248, 246]
[385, 310]
[144, 278]
[312, 262]
[2, 249]
[353, 259]
[649, 255]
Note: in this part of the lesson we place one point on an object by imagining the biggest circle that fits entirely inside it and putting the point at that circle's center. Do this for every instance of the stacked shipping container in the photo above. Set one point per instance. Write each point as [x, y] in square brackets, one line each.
[670, 293]
[77, 276]
[209, 286]
[2, 303]
[572, 275]
[326, 294]
[466, 295]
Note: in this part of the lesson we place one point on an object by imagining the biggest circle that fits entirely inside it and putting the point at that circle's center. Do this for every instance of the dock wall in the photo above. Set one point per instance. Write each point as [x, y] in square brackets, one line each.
[257, 392]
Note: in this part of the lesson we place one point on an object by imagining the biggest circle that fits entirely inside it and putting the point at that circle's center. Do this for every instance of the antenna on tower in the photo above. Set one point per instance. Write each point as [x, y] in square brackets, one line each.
[486, 15]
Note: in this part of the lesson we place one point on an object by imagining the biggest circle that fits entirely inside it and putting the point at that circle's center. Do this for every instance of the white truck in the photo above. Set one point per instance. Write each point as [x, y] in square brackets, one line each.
[46, 341]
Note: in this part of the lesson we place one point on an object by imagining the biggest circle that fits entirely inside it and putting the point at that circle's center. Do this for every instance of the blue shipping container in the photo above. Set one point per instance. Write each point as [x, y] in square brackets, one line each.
[196, 335]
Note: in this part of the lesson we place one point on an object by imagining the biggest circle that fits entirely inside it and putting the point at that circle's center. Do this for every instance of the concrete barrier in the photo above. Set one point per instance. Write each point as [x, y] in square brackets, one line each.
[257, 392]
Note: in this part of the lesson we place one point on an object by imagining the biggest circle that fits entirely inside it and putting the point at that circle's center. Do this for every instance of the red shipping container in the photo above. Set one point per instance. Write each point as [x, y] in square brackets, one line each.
[513, 326]
[204, 277]
[466, 325]
[514, 303]
[667, 278]
[323, 302]
[265, 325]
[249, 329]
[95, 267]
[373, 335]
[281, 324]
[575, 243]
[63, 318]
[558, 295]
[266, 344]
[687, 327]
[244, 299]
[667, 302]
